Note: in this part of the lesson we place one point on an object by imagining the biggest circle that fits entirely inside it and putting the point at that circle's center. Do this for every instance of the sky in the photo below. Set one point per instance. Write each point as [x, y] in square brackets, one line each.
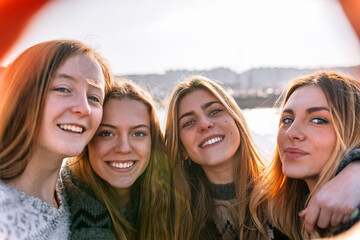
[142, 36]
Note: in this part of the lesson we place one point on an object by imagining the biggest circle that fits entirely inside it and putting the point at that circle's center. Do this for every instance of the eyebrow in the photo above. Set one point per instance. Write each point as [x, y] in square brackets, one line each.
[90, 81]
[309, 110]
[134, 127]
[203, 107]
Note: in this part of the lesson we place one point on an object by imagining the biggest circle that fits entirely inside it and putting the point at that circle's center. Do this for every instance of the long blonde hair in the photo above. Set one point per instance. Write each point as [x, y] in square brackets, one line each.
[23, 90]
[151, 192]
[194, 205]
[285, 196]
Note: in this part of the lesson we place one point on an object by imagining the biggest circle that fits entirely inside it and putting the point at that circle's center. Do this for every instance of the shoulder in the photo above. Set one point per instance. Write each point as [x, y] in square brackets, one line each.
[8, 196]
[25, 217]
[9, 201]
[86, 212]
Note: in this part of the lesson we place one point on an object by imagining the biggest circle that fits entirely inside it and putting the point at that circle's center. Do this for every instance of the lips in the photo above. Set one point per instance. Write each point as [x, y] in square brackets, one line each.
[71, 128]
[211, 140]
[291, 152]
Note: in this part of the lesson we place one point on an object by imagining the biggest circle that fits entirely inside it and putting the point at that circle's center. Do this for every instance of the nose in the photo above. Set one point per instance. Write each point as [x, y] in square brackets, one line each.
[81, 106]
[123, 145]
[205, 124]
[296, 131]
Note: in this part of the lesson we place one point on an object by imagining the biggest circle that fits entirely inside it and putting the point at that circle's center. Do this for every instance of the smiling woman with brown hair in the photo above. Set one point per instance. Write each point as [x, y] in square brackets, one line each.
[51, 106]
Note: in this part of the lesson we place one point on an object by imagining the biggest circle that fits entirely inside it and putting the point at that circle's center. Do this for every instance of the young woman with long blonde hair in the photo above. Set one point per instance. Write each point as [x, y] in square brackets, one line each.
[119, 187]
[319, 131]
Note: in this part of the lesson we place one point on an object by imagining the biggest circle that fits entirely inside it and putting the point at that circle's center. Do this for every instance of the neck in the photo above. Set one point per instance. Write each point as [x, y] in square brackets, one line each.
[39, 177]
[219, 174]
[124, 196]
[311, 182]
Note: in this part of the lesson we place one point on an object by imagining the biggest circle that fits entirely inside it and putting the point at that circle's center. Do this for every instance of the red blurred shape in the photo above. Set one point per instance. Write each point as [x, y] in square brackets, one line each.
[14, 17]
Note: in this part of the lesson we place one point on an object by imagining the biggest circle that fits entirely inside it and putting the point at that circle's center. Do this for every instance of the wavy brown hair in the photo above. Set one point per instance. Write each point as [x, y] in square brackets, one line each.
[285, 196]
[23, 90]
[151, 193]
[193, 205]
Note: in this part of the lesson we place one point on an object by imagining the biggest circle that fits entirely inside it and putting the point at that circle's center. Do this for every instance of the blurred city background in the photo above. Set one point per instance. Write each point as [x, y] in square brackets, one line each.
[252, 47]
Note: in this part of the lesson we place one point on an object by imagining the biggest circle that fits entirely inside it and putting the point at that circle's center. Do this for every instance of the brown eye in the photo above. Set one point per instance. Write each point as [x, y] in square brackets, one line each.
[188, 123]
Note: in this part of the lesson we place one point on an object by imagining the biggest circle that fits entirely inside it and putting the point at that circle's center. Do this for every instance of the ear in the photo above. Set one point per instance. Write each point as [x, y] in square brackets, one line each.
[184, 154]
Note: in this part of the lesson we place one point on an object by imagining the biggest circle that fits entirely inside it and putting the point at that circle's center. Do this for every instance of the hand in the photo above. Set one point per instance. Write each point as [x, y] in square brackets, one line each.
[352, 234]
[334, 203]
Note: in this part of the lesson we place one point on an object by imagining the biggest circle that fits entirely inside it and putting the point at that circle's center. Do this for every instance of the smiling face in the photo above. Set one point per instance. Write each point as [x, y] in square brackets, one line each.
[73, 107]
[306, 136]
[120, 151]
[209, 134]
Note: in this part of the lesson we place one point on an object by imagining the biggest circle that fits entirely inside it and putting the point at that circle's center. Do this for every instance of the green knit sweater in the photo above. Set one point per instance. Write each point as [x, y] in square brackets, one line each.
[89, 218]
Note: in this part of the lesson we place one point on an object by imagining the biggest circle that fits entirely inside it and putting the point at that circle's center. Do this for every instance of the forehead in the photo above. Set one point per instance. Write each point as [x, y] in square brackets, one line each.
[125, 111]
[307, 96]
[196, 99]
[84, 67]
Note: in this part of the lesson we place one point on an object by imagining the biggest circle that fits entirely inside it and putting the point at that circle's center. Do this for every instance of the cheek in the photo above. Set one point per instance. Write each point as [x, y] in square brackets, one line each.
[280, 138]
[96, 116]
[142, 149]
[147, 151]
[97, 150]
[93, 159]
[184, 139]
[233, 130]
[328, 144]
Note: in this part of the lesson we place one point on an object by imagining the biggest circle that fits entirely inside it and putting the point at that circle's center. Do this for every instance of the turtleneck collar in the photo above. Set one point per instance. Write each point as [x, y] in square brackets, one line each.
[222, 191]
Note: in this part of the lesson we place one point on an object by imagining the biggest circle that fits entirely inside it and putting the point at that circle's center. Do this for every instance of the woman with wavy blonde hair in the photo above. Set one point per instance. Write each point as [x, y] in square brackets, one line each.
[119, 186]
[51, 106]
[213, 160]
[319, 126]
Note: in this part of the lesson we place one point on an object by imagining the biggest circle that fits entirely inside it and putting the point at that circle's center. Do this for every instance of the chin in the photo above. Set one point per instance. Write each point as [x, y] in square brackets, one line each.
[292, 174]
[72, 153]
[122, 185]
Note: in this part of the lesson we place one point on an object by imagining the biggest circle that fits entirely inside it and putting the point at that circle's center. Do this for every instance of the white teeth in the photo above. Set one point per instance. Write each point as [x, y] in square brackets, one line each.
[121, 165]
[211, 141]
[71, 128]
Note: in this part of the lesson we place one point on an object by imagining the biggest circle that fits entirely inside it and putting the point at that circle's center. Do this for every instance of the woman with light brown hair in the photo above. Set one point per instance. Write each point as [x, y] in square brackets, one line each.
[319, 132]
[214, 162]
[120, 186]
[51, 106]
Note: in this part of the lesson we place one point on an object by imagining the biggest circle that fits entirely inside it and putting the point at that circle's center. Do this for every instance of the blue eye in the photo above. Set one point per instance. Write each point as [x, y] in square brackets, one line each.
[319, 121]
[287, 120]
[106, 134]
[139, 134]
[93, 98]
[62, 89]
